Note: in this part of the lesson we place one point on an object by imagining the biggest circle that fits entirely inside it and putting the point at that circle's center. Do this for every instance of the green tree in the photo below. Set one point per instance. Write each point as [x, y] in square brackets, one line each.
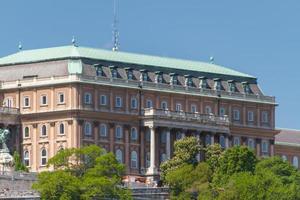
[88, 172]
[18, 164]
[185, 152]
[213, 155]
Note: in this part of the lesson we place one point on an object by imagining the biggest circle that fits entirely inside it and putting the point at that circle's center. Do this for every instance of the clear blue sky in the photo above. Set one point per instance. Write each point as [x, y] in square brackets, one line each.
[258, 37]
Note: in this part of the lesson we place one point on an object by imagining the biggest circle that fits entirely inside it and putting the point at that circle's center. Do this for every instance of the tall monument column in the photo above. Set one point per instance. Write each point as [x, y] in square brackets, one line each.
[152, 170]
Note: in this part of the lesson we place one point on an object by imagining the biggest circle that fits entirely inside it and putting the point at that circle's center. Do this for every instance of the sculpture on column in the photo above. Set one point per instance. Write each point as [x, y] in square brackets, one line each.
[6, 160]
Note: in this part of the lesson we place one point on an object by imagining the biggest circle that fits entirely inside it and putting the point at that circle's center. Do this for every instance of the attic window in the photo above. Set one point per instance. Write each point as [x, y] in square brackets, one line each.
[99, 70]
[144, 75]
[114, 71]
[231, 86]
[158, 77]
[246, 87]
[173, 80]
[129, 73]
[218, 85]
[203, 82]
[188, 81]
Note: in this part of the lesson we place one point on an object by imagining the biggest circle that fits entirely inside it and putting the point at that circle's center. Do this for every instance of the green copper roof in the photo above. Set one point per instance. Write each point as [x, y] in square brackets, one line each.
[64, 52]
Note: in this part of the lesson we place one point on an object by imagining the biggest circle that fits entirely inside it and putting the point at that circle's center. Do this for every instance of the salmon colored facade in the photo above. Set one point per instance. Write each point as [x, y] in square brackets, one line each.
[136, 108]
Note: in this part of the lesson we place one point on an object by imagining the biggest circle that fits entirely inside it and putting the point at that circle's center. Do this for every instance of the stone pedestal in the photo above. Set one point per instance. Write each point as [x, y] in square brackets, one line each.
[6, 161]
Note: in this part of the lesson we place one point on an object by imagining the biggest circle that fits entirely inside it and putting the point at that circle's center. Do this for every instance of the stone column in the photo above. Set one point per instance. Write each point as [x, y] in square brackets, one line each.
[152, 170]
[212, 138]
[258, 153]
[271, 147]
[183, 133]
[226, 141]
[111, 137]
[168, 144]
[142, 154]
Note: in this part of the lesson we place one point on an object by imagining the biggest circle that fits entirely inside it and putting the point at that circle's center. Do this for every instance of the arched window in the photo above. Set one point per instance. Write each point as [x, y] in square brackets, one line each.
[149, 103]
[26, 158]
[208, 110]
[222, 141]
[87, 129]
[61, 128]
[26, 132]
[251, 143]
[164, 105]
[44, 130]
[44, 157]
[103, 130]
[208, 140]
[284, 158]
[119, 155]
[295, 162]
[119, 133]
[236, 141]
[134, 160]
[87, 98]
[133, 134]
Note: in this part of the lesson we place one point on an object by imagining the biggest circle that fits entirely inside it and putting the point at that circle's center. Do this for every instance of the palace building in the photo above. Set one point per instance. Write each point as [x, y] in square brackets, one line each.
[134, 105]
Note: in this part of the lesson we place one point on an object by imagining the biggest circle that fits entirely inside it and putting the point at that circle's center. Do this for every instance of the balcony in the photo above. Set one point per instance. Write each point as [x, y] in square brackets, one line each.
[185, 120]
[9, 115]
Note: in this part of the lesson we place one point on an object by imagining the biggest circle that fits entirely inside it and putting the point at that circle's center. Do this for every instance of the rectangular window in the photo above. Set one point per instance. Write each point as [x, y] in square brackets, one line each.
[265, 117]
[264, 146]
[193, 108]
[26, 102]
[43, 100]
[118, 103]
[236, 114]
[88, 98]
[250, 116]
[61, 98]
[236, 141]
[178, 107]
[133, 103]
[103, 100]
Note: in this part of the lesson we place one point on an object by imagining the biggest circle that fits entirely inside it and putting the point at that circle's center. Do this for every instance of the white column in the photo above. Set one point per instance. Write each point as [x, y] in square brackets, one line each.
[198, 139]
[168, 144]
[226, 142]
[152, 169]
[212, 138]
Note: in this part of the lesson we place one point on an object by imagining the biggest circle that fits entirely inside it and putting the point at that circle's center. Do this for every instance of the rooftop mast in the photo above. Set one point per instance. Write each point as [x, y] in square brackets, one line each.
[115, 29]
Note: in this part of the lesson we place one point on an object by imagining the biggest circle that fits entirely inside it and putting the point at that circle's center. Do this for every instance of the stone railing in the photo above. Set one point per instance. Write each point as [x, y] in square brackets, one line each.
[9, 110]
[186, 116]
[136, 84]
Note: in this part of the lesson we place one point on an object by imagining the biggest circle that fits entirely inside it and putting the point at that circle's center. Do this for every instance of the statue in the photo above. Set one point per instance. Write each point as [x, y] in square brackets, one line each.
[6, 159]
[3, 138]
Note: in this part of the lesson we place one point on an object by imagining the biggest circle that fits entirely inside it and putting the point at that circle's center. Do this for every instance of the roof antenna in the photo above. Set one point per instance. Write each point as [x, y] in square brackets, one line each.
[20, 47]
[74, 41]
[115, 29]
[212, 60]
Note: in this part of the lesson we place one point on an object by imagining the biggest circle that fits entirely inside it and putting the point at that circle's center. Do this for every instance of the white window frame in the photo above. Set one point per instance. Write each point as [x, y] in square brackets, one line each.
[133, 133]
[265, 117]
[42, 130]
[250, 116]
[44, 157]
[193, 108]
[134, 160]
[26, 158]
[295, 162]
[101, 128]
[178, 107]
[26, 127]
[103, 100]
[249, 140]
[42, 100]
[133, 103]
[88, 129]
[61, 95]
[236, 114]
[59, 129]
[236, 141]
[164, 105]
[118, 134]
[25, 105]
[149, 103]
[8, 102]
[119, 155]
[264, 146]
[87, 98]
[118, 103]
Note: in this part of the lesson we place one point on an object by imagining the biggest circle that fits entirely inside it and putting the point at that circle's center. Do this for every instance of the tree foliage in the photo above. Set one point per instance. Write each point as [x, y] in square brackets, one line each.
[18, 164]
[232, 174]
[86, 173]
